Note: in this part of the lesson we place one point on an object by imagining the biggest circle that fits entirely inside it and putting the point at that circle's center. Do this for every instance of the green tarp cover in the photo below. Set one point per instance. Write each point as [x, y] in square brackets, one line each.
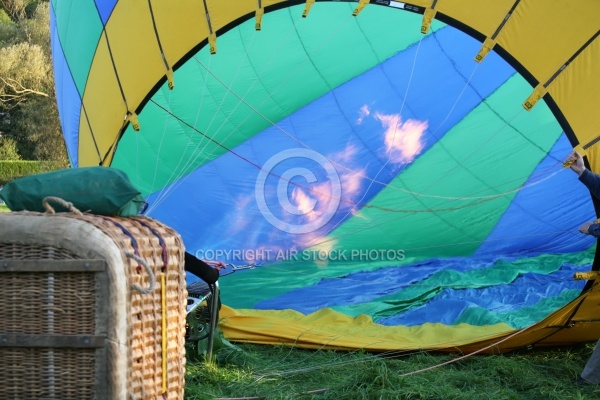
[97, 190]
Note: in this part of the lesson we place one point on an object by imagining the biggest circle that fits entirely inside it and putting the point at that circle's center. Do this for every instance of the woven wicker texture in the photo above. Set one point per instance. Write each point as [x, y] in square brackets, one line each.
[32, 374]
[25, 309]
[29, 304]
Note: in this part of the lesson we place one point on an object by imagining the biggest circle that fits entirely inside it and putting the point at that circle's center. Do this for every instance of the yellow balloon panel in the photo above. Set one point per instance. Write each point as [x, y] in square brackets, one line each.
[575, 91]
[103, 111]
[134, 50]
[179, 27]
[483, 16]
[543, 38]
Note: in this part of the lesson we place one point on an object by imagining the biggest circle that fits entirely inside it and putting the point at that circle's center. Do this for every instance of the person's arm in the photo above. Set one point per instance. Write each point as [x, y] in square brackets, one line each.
[201, 269]
[588, 178]
[591, 181]
[594, 230]
[590, 228]
[219, 265]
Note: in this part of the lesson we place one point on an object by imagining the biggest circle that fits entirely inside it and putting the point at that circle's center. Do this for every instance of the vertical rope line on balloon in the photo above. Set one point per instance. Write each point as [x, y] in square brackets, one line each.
[198, 151]
[164, 133]
[121, 90]
[178, 173]
[168, 68]
[137, 158]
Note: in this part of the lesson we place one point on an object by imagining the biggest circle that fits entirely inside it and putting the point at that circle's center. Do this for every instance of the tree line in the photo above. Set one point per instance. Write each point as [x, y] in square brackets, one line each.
[29, 123]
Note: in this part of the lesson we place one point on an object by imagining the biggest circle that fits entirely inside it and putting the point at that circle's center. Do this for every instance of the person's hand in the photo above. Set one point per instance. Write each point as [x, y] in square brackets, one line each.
[576, 162]
[218, 265]
[585, 228]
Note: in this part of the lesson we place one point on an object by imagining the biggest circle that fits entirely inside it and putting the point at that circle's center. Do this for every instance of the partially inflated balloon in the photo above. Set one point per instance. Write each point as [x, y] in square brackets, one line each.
[391, 173]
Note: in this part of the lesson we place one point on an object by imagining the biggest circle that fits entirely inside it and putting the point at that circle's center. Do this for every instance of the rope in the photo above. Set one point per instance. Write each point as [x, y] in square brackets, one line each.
[384, 219]
[465, 356]
[150, 287]
[69, 206]
[387, 354]
[534, 183]
[164, 133]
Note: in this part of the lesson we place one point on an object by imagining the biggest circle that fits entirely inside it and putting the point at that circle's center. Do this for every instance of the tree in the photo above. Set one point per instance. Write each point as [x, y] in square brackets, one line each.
[19, 9]
[27, 95]
[24, 73]
[9, 31]
[14, 8]
[8, 149]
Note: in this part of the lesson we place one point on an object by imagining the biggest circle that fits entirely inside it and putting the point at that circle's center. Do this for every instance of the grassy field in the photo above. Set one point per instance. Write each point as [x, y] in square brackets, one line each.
[271, 372]
[3, 208]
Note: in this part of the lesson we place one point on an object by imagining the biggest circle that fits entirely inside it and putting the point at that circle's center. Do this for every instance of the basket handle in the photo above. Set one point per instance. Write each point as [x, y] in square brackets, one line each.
[148, 270]
[69, 206]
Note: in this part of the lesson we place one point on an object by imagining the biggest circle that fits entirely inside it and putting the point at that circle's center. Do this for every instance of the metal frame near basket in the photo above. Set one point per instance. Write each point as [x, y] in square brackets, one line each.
[91, 307]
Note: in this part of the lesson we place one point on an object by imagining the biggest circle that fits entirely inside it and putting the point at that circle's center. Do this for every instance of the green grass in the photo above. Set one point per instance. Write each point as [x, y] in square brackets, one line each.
[272, 372]
[3, 208]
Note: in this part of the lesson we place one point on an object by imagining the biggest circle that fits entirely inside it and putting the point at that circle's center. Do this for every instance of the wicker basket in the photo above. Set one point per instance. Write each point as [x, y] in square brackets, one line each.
[84, 302]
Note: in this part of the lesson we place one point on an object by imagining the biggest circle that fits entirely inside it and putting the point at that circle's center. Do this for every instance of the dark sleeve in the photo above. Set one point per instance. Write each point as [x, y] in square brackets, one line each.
[594, 230]
[592, 182]
[201, 269]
